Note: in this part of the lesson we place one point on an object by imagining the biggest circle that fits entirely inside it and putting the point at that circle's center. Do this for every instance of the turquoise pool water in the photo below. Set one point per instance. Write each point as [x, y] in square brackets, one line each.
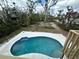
[43, 45]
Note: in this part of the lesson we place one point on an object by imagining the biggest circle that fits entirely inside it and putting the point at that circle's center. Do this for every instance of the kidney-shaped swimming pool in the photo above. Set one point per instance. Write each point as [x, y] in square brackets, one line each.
[44, 45]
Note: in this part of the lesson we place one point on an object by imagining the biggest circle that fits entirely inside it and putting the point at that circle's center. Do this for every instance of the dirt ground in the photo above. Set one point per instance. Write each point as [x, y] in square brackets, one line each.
[50, 27]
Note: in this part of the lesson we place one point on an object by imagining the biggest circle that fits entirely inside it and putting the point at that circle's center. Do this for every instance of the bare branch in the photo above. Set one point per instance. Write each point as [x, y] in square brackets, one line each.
[54, 3]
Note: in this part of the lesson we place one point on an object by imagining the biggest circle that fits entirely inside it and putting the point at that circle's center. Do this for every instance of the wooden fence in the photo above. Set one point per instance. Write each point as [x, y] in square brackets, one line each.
[71, 47]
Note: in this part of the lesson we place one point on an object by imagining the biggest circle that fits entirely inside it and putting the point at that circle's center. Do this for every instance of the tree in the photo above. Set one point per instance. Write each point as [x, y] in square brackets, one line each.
[60, 15]
[3, 12]
[31, 7]
[47, 7]
[4, 5]
[69, 16]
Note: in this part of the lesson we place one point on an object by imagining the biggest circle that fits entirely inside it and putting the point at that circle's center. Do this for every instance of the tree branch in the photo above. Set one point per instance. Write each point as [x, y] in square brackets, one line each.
[55, 1]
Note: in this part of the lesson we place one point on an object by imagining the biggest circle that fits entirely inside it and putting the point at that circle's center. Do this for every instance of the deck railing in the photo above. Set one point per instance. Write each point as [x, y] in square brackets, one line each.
[71, 47]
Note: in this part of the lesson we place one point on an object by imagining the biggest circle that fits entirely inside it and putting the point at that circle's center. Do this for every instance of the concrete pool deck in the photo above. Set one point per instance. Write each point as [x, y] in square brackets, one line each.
[5, 48]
